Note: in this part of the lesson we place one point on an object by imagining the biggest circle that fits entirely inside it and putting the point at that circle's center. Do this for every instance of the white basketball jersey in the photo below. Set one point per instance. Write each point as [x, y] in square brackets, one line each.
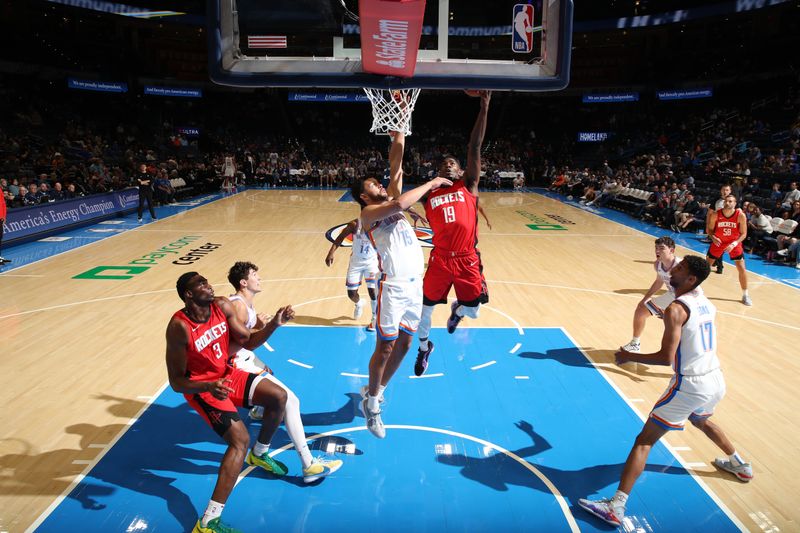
[697, 351]
[251, 313]
[664, 273]
[399, 251]
[363, 251]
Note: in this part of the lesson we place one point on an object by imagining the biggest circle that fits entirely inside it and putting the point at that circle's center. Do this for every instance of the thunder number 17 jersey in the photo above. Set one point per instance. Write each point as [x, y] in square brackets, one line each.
[453, 215]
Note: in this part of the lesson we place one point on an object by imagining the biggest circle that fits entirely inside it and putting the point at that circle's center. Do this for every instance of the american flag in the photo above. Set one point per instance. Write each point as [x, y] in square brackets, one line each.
[266, 41]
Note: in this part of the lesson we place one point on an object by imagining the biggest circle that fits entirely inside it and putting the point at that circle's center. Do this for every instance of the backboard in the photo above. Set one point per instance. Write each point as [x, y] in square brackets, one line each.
[464, 44]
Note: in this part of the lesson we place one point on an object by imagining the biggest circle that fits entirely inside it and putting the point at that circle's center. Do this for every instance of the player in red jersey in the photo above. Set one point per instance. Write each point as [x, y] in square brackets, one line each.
[198, 338]
[728, 230]
[454, 261]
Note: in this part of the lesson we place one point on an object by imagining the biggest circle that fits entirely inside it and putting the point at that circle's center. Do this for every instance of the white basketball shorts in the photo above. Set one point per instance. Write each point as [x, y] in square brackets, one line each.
[358, 269]
[688, 397]
[399, 307]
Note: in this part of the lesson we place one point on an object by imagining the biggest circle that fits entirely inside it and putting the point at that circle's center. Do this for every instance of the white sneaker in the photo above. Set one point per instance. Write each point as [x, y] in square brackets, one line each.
[746, 300]
[374, 422]
[371, 326]
[604, 510]
[783, 252]
[358, 310]
[633, 347]
[744, 472]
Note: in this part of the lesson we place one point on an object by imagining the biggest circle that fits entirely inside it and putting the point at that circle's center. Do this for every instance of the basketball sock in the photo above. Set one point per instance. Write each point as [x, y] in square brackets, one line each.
[423, 344]
[295, 429]
[424, 328]
[214, 510]
[260, 449]
[460, 310]
[372, 403]
[736, 459]
[620, 499]
[635, 340]
[744, 292]
[381, 388]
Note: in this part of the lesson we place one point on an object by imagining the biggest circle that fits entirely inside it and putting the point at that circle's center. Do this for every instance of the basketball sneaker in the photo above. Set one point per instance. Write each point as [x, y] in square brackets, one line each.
[452, 322]
[214, 526]
[319, 468]
[4, 260]
[744, 472]
[374, 422]
[746, 300]
[267, 463]
[371, 326]
[633, 347]
[719, 267]
[604, 510]
[358, 310]
[365, 393]
[422, 360]
[257, 413]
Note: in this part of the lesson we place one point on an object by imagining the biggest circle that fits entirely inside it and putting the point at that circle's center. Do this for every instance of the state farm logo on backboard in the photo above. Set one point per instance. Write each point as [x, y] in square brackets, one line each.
[424, 236]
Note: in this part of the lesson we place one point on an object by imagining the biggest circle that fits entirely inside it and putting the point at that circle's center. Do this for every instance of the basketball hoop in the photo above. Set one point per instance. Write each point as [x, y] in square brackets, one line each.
[392, 109]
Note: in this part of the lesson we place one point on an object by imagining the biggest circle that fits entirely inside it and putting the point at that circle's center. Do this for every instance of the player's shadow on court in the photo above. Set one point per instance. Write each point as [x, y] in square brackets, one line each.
[498, 471]
[171, 439]
[718, 299]
[305, 320]
[631, 291]
[30, 474]
[643, 261]
[574, 358]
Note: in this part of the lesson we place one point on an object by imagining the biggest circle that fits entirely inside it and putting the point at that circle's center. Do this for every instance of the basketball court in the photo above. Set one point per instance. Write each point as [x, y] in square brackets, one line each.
[521, 411]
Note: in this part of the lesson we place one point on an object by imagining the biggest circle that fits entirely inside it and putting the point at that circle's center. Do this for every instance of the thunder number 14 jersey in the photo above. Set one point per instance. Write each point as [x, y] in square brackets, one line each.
[453, 215]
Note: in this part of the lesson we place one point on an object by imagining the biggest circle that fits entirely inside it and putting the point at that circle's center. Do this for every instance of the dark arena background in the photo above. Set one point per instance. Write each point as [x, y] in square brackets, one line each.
[610, 124]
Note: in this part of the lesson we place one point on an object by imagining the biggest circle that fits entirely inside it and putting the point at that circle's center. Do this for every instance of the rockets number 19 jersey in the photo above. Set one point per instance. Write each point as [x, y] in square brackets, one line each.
[207, 349]
[453, 216]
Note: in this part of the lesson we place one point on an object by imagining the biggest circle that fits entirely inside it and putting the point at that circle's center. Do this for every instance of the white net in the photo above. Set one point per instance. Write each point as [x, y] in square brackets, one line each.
[392, 109]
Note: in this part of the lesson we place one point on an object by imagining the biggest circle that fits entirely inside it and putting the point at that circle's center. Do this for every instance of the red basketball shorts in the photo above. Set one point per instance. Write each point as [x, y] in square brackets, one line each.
[463, 272]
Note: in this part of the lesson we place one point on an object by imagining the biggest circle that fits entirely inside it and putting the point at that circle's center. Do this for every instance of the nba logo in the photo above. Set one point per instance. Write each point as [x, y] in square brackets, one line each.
[522, 29]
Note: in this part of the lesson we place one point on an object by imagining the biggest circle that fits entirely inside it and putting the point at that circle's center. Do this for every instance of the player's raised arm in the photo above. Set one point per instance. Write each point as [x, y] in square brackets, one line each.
[472, 173]
[347, 230]
[395, 187]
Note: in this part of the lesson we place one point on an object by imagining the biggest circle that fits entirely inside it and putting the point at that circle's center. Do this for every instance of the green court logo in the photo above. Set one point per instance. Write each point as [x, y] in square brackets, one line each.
[539, 223]
[145, 262]
[546, 227]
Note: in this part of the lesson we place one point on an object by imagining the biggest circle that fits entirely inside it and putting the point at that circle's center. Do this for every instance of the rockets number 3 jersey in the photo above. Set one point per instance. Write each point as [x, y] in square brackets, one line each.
[453, 215]
[207, 349]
